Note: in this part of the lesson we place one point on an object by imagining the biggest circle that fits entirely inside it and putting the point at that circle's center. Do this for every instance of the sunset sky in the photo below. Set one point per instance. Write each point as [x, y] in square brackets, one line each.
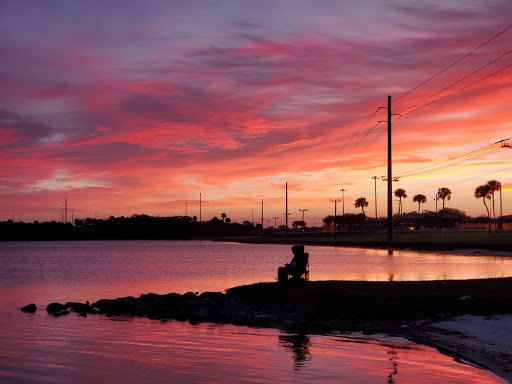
[127, 107]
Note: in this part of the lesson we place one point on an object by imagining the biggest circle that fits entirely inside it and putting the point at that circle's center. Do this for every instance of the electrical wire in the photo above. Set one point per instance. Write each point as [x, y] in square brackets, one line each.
[341, 148]
[455, 62]
[326, 174]
[457, 91]
[458, 81]
[444, 161]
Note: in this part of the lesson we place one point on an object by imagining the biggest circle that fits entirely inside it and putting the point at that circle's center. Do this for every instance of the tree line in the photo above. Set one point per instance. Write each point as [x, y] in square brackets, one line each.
[439, 218]
[134, 227]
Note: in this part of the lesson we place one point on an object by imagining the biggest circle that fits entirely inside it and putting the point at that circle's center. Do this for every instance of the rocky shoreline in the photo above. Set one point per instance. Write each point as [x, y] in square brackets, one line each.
[398, 308]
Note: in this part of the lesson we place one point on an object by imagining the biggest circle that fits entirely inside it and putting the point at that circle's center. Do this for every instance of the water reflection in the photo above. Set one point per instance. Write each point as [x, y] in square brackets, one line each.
[393, 358]
[299, 345]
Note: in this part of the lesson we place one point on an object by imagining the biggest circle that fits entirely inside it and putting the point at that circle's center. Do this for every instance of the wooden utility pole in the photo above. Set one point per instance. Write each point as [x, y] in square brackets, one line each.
[390, 177]
[261, 213]
[286, 214]
[335, 212]
[303, 210]
[376, 219]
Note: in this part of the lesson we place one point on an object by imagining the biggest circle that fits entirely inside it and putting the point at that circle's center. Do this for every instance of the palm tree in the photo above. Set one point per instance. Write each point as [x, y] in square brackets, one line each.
[361, 202]
[223, 215]
[494, 186]
[484, 192]
[400, 193]
[328, 220]
[444, 194]
[420, 199]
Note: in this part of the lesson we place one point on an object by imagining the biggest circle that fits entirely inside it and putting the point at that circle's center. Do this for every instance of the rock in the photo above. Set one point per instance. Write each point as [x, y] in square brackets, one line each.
[29, 308]
[55, 307]
[61, 313]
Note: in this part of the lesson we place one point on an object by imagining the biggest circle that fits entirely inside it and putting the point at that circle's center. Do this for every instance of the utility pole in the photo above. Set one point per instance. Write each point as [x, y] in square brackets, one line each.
[286, 214]
[200, 210]
[390, 177]
[275, 221]
[65, 210]
[303, 210]
[186, 208]
[390, 174]
[261, 213]
[435, 198]
[335, 201]
[376, 219]
[268, 223]
[343, 200]
[501, 212]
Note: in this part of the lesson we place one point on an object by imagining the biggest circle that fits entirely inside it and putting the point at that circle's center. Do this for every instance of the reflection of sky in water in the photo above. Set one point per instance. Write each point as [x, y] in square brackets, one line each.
[122, 268]
[99, 349]
[39, 347]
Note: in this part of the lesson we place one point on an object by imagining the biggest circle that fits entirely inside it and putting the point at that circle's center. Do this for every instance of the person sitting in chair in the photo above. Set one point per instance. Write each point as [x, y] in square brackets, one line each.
[297, 266]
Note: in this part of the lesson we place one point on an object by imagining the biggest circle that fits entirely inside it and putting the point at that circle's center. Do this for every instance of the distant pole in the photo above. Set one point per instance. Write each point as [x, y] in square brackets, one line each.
[275, 222]
[343, 206]
[435, 198]
[65, 210]
[252, 216]
[286, 214]
[261, 213]
[390, 177]
[186, 208]
[335, 213]
[303, 210]
[268, 223]
[200, 209]
[343, 200]
[376, 219]
[501, 211]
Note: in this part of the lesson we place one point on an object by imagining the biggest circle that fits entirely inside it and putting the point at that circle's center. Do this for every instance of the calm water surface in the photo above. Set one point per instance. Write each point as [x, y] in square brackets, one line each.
[42, 349]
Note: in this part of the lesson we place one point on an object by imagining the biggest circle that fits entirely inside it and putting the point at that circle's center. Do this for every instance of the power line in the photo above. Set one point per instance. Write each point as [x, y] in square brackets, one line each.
[444, 161]
[454, 63]
[454, 164]
[344, 145]
[458, 81]
[349, 160]
[461, 89]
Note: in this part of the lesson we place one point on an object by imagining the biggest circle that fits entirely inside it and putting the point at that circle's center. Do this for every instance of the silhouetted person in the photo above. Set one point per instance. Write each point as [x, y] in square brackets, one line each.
[297, 266]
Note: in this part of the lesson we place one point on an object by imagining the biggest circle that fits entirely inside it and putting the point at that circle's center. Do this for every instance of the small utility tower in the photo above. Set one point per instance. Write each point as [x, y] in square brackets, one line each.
[65, 210]
[336, 200]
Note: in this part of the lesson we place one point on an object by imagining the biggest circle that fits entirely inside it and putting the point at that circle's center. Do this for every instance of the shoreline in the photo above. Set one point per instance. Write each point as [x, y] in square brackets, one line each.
[427, 312]
[462, 242]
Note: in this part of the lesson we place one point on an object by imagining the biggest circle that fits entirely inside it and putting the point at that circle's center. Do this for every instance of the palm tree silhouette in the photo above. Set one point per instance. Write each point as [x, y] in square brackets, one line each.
[400, 193]
[361, 202]
[484, 192]
[420, 199]
[444, 194]
[223, 215]
[494, 186]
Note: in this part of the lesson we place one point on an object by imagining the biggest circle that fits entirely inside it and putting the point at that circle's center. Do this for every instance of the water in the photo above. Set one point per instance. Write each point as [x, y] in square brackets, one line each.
[38, 348]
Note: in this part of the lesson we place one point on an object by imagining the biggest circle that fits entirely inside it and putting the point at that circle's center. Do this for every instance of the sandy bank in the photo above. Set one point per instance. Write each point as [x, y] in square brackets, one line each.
[482, 341]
